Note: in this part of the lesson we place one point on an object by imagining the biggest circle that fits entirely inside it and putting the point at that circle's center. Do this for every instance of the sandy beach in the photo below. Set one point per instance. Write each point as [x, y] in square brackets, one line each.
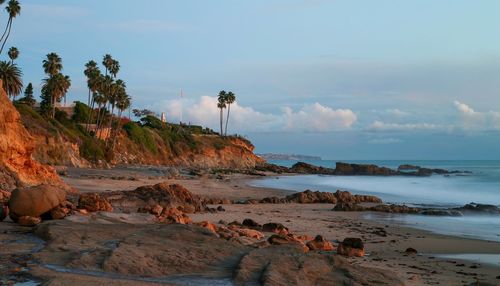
[385, 243]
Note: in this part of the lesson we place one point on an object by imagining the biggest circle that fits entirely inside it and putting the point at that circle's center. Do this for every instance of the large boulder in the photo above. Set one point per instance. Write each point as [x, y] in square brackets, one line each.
[35, 201]
[362, 170]
[320, 243]
[310, 197]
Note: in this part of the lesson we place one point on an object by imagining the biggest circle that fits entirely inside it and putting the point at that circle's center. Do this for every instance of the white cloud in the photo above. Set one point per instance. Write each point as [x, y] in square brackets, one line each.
[476, 120]
[317, 117]
[385, 141]
[382, 126]
[310, 118]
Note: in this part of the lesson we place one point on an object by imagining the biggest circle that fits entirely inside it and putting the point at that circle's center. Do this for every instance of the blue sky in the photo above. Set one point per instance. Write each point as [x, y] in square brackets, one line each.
[341, 79]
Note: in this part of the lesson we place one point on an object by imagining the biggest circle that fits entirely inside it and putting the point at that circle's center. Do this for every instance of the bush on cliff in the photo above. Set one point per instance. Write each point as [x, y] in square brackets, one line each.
[81, 112]
[141, 135]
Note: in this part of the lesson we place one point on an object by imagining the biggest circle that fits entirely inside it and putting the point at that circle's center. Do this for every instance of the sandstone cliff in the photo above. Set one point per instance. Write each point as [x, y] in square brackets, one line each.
[17, 167]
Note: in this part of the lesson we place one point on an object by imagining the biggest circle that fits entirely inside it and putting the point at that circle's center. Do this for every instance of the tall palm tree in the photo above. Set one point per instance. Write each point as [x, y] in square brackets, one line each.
[11, 76]
[13, 54]
[230, 99]
[123, 102]
[221, 104]
[52, 65]
[14, 9]
[114, 68]
[91, 70]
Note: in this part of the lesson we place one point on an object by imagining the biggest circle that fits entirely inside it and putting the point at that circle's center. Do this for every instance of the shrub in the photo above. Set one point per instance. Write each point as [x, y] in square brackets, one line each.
[92, 149]
[81, 112]
[141, 135]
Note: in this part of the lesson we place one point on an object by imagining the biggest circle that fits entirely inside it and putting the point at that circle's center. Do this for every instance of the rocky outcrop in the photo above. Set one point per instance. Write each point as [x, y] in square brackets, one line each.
[316, 197]
[305, 168]
[474, 208]
[345, 169]
[17, 167]
[165, 195]
[320, 243]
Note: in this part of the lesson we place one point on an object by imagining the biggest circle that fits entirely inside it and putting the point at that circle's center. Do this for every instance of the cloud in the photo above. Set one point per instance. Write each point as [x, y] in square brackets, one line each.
[309, 118]
[383, 141]
[319, 118]
[382, 126]
[475, 120]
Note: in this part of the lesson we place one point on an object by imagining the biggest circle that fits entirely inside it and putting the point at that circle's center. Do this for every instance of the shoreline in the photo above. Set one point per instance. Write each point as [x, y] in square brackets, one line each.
[385, 242]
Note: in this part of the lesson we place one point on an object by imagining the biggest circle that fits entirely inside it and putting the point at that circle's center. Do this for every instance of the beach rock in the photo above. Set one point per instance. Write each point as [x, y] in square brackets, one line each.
[279, 239]
[220, 209]
[273, 200]
[347, 197]
[362, 170]
[28, 220]
[320, 243]
[479, 208]
[94, 202]
[268, 167]
[208, 225]
[275, 227]
[351, 247]
[305, 168]
[250, 233]
[310, 197]
[163, 194]
[4, 211]
[348, 207]
[411, 251]
[35, 201]
[288, 265]
[173, 215]
[251, 223]
[395, 209]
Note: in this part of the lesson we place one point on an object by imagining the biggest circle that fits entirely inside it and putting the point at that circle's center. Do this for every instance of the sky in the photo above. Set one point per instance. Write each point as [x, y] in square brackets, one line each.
[338, 79]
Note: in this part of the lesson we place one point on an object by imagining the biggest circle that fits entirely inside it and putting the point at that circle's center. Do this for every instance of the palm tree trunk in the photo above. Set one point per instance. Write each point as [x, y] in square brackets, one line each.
[6, 37]
[89, 120]
[227, 119]
[6, 28]
[221, 131]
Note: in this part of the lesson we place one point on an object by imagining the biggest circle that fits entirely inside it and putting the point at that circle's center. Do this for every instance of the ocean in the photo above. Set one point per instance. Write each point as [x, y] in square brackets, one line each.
[437, 191]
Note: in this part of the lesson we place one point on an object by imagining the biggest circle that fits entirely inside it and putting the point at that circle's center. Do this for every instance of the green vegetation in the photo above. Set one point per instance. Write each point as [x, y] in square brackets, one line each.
[141, 136]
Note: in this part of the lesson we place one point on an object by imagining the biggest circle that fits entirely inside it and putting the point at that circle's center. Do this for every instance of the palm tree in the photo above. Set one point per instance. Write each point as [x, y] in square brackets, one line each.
[14, 9]
[91, 71]
[13, 54]
[221, 104]
[56, 86]
[114, 68]
[52, 65]
[123, 102]
[10, 74]
[107, 62]
[230, 99]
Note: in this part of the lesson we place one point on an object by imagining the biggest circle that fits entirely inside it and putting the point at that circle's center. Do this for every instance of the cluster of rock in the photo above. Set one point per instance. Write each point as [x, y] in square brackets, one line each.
[471, 208]
[317, 197]
[346, 169]
[30, 205]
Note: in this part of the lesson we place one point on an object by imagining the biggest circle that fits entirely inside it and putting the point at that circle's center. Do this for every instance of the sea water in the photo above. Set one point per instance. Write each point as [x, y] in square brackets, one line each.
[482, 185]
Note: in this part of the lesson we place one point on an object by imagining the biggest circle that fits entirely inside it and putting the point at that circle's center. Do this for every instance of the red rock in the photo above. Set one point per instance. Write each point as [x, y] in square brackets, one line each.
[59, 212]
[279, 239]
[351, 247]
[250, 233]
[4, 196]
[251, 223]
[93, 202]
[320, 243]
[275, 227]
[35, 201]
[29, 220]
[174, 215]
[208, 225]
[156, 210]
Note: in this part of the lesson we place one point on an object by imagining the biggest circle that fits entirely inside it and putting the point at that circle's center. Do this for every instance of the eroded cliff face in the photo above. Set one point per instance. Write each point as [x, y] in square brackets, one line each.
[211, 152]
[17, 167]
